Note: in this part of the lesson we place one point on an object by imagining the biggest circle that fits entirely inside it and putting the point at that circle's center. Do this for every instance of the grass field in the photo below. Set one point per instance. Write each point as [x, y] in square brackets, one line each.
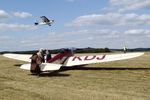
[119, 80]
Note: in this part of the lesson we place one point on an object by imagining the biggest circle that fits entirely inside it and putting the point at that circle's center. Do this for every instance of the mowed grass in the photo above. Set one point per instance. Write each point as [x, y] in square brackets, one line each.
[119, 80]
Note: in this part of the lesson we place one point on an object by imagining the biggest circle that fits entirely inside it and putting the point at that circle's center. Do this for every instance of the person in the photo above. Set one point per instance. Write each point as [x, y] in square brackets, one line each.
[124, 49]
[36, 60]
[47, 56]
[40, 53]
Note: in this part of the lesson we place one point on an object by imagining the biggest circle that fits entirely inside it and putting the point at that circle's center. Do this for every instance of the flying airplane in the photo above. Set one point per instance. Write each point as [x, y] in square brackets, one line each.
[68, 59]
[44, 21]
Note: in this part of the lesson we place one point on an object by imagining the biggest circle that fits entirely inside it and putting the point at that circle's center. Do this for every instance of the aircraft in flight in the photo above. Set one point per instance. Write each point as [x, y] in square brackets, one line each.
[66, 58]
[44, 21]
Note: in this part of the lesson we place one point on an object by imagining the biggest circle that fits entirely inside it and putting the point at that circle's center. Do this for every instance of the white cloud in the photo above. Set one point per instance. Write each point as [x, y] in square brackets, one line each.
[5, 41]
[15, 27]
[109, 19]
[85, 38]
[124, 5]
[3, 37]
[22, 14]
[69, 39]
[140, 32]
[3, 14]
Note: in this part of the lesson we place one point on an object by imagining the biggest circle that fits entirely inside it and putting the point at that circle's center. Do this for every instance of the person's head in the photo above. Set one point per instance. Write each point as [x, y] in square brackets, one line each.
[41, 50]
[47, 52]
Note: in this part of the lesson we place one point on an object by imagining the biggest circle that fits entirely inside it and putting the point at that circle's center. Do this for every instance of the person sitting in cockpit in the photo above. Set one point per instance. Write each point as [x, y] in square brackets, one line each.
[47, 56]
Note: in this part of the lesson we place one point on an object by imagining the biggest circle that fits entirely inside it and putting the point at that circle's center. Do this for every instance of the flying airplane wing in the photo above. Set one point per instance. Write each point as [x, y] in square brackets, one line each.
[82, 60]
[22, 57]
[45, 19]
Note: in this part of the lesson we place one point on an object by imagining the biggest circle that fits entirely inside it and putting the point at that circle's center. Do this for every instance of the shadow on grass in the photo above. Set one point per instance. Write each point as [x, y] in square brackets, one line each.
[48, 74]
[18, 65]
[52, 74]
[99, 68]
[63, 69]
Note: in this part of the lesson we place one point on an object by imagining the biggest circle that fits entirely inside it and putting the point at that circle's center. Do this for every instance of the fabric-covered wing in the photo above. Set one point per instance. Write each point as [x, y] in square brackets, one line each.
[22, 57]
[77, 60]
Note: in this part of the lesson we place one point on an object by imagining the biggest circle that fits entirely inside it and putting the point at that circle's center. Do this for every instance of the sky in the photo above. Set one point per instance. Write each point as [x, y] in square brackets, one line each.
[78, 24]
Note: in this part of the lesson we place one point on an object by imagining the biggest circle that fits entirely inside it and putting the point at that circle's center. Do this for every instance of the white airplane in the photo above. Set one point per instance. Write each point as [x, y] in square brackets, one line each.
[66, 59]
[44, 21]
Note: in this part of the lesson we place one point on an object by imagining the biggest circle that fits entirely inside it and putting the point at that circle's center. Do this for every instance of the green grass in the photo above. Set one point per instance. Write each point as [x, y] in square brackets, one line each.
[120, 80]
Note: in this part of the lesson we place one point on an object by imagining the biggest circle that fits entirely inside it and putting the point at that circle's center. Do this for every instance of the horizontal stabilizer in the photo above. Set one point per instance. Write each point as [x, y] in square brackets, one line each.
[25, 66]
[50, 67]
[43, 66]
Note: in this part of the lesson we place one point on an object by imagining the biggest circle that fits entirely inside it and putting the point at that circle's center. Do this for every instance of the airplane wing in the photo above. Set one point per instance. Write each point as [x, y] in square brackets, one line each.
[22, 57]
[45, 19]
[82, 60]
[74, 60]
